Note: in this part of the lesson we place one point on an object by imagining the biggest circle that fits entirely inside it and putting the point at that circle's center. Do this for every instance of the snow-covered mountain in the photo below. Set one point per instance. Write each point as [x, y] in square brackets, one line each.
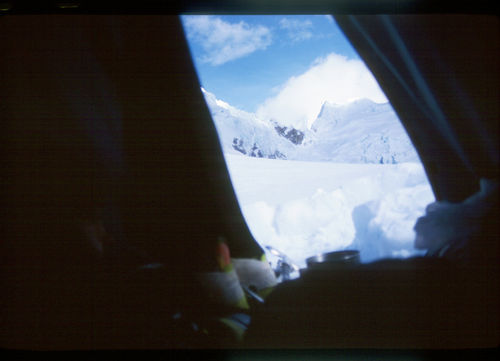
[306, 205]
[359, 132]
[242, 132]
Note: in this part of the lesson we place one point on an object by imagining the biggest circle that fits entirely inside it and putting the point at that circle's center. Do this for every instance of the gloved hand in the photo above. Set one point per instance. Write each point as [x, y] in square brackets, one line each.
[450, 226]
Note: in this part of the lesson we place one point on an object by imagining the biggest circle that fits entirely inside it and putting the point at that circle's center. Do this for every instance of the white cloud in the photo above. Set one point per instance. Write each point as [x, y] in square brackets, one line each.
[333, 78]
[297, 30]
[223, 41]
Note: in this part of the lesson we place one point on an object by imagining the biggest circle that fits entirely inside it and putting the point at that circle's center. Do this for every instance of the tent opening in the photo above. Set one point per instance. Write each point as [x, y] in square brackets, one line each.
[318, 158]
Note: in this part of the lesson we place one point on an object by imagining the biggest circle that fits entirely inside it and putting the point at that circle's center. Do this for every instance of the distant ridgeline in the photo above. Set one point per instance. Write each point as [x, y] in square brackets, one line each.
[359, 132]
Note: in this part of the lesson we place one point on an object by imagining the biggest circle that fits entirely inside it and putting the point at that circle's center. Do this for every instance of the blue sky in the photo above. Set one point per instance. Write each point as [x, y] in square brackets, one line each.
[277, 66]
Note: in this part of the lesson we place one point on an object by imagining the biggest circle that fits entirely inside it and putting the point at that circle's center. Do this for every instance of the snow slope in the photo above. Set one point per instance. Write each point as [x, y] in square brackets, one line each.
[242, 132]
[306, 208]
[359, 132]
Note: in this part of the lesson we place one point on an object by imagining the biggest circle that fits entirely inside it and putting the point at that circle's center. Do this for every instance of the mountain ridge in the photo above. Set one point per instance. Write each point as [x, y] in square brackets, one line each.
[361, 131]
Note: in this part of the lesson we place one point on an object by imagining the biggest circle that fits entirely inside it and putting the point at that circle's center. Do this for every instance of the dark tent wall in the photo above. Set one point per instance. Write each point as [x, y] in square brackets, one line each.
[103, 122]
[103, 114]
[179, 198]
[440, 73]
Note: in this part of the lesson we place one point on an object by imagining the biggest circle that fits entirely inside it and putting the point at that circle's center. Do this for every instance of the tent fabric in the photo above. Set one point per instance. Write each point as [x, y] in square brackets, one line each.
[440, 73]
[104, 125]
[104, 114]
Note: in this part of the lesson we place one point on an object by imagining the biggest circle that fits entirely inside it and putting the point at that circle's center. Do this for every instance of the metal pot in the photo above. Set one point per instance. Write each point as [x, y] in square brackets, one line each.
[333, 259]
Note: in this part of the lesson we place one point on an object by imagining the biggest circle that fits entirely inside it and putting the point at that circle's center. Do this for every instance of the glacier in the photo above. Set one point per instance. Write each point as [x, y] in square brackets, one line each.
[351, 180]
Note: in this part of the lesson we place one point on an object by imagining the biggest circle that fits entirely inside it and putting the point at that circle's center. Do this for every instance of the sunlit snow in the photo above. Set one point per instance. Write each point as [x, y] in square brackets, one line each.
[306, 208]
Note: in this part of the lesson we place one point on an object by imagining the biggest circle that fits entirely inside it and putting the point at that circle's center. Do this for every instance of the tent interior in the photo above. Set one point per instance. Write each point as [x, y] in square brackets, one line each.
[115, 191]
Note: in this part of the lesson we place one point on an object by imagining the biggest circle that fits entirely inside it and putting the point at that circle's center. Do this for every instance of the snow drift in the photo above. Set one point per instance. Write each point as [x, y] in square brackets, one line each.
[306, 208]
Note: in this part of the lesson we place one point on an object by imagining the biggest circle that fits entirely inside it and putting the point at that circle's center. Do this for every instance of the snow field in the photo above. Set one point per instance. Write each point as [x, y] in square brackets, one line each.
[306, 208]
